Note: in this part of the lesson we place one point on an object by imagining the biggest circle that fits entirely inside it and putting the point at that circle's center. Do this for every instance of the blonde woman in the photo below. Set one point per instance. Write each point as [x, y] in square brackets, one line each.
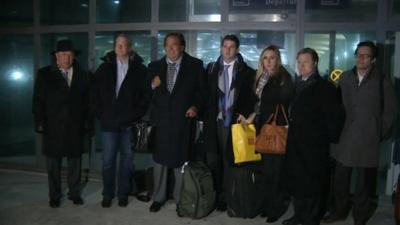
[273, 87]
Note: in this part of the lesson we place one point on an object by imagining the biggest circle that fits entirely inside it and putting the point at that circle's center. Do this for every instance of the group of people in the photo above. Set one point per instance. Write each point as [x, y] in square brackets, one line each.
[345, 123]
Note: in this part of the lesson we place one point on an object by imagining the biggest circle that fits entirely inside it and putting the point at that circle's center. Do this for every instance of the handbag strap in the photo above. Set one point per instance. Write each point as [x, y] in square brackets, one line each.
[273, 116]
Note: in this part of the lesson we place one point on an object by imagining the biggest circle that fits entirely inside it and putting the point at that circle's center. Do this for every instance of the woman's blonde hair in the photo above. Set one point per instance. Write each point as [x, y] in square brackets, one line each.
[260, 70]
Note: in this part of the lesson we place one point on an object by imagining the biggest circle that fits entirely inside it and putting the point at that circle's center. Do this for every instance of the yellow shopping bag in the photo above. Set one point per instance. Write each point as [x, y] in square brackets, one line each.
[243, 141]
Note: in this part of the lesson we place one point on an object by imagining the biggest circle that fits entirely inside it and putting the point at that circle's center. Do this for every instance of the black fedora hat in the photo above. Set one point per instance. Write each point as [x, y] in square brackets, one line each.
[64, 46]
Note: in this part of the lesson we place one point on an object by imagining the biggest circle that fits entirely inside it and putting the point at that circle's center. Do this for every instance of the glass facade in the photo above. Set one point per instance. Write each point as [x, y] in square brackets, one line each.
[57, 12]
[341, 11]
[17, 139]
[123, 11]
[30, 29]
[335, 49]
[190, 10]
[16, 13]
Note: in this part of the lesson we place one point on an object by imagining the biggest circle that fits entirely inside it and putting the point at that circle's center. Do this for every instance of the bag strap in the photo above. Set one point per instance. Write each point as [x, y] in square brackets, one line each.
[284, 114]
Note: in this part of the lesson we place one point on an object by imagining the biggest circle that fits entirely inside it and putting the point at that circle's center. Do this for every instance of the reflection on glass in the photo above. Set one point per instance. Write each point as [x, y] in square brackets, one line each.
[124, 11]
[141, 43]
[346, 44]
[208, 45]
[53, 12]
[253, 42]
[16, 13]
[17, 139]
[190, 10]
[49, 42]
[320, 43]
[341, 11]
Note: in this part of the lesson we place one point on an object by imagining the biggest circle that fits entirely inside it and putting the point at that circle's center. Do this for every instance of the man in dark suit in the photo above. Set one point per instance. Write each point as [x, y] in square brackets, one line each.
[178, 98]
[230, 98]
[122, 97]
[62, 114]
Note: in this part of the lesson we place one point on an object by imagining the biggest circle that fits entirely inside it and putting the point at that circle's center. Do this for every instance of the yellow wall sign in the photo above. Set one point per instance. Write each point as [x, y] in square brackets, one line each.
[336, 74]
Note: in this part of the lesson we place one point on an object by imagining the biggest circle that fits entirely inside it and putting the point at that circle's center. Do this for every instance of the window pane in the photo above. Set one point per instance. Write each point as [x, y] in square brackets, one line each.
[320, 43]
[341, 11]
[191, 10]
[343, 54]
[141, 43]
[17, 140]
[208, 46]
[345, 46]
[261, 10]
[396, 6]
[396, 9]
[200, 44]
[49, 42]
[124, 11]
[16, 13]
[253, 42]
[64, 12]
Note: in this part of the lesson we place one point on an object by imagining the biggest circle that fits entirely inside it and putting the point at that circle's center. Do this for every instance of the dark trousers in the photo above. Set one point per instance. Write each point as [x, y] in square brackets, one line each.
[112, 142]
[54, 176]
[365, 197]
[276, 199]
[217, 161]
[309, 210]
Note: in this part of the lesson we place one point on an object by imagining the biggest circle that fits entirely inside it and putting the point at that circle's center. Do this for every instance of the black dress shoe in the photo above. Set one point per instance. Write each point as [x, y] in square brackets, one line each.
[155, 207]
[54, 203]
[221, 207]
[292, 221]
[123, 202]
[334, 217]
[358, 222]
[272, 219]
[76, 200]
[106, 203]
[143, 198]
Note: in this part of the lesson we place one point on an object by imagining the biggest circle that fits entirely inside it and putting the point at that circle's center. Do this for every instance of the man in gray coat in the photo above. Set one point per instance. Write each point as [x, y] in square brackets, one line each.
[370, 105]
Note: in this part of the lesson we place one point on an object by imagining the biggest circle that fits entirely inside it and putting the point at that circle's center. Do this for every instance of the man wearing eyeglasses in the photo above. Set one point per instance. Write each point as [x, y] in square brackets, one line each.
[370, 105]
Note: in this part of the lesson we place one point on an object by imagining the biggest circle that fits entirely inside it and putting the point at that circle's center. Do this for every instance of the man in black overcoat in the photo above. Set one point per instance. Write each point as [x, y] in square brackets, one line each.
[315, 120]
[178, 98]
[62, 115]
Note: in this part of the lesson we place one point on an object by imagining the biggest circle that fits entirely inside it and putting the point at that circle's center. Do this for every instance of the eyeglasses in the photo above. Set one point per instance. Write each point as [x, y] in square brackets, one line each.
[363, 55]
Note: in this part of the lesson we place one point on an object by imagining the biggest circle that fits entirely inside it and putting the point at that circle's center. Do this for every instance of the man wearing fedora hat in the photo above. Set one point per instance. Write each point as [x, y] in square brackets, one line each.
[62, 115]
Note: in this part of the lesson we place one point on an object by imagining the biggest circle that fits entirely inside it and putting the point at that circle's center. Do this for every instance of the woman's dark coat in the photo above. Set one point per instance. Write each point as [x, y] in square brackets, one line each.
[173, 135]
[61, 112]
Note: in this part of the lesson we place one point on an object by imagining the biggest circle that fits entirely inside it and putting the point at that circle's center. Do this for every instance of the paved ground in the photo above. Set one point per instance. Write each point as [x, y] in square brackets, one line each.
[24, 202]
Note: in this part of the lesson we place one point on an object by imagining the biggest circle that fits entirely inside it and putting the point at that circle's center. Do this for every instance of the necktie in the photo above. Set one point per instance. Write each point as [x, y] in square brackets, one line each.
[170, 76]
[226, 105]
[65, 75]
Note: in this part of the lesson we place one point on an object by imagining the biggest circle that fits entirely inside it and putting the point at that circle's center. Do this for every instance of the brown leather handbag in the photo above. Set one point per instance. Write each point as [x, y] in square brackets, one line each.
[272, 138]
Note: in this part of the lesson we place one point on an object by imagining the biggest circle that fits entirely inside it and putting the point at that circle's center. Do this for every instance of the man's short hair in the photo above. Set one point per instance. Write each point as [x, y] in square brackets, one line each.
[310, 51]
[369, 44]
[128, 40]
[231, 37]
[177, 35]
